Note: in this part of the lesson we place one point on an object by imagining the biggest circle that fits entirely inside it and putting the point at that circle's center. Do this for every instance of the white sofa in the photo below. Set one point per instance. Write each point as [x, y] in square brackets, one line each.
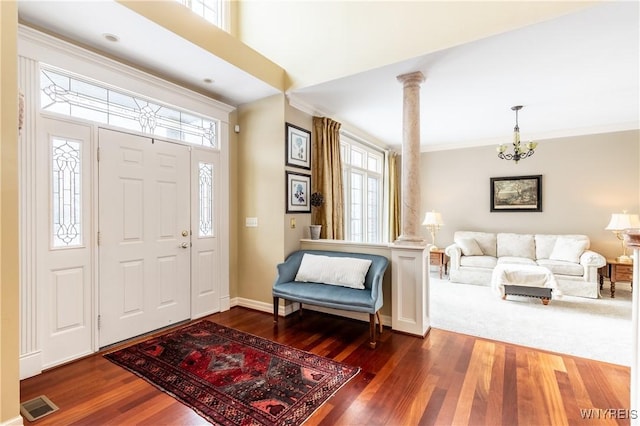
[473, 255]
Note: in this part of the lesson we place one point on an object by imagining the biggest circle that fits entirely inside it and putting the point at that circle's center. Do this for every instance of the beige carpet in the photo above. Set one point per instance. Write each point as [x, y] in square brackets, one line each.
[598, 329]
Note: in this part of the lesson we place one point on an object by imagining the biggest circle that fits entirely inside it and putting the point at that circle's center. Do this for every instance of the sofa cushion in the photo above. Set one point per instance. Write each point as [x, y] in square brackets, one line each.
[561, 267]
[513, 260]
[568, 249]
[544, 245]
[516, 245]
[469, 247]
[546, 242]
[341, 271]
[325, 295]
[478, 261]
[486, 240]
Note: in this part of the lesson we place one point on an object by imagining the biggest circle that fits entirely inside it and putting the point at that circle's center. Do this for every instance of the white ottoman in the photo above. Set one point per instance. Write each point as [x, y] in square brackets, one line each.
[524, 280]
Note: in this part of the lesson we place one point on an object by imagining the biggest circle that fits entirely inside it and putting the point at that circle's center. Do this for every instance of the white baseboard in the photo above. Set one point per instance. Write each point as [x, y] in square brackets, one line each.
[30, 364]
[293, 307]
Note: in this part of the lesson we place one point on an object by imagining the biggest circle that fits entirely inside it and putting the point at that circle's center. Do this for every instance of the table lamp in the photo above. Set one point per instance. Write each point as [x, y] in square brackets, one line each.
[618, 223]
[433, 222]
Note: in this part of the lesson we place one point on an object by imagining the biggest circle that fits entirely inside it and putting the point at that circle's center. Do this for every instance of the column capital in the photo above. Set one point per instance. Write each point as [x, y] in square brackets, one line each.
[412, 78]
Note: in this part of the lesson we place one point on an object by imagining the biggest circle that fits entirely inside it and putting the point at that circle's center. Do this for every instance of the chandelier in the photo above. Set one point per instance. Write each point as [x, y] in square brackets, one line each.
[519, 152]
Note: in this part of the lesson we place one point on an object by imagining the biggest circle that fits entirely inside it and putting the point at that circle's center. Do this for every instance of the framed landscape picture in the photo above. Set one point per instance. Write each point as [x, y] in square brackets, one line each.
[516, 194]
[298, 146]
[298, 196]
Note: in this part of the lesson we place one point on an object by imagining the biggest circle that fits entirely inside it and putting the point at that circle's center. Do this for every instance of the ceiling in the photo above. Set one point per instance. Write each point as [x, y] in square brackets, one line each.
[576, 74]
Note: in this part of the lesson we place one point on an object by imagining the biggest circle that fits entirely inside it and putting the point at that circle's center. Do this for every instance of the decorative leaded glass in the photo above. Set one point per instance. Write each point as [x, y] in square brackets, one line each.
[66, 196]
[71, 96]
[205, 190]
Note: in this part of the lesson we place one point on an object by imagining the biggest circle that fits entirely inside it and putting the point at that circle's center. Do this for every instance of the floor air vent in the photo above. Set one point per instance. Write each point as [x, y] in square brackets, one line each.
[37, 408]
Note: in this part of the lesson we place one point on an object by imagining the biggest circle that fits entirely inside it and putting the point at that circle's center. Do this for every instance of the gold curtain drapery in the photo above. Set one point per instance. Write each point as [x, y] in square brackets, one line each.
[326, 170]
[394, 195]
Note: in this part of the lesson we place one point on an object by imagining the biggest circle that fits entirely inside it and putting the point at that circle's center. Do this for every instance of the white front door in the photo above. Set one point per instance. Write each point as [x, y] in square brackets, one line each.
[144, 240]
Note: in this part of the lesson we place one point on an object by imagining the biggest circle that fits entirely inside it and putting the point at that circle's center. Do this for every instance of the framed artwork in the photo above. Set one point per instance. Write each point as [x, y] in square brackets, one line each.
[298, 192]
[298, 147]
[516, 194]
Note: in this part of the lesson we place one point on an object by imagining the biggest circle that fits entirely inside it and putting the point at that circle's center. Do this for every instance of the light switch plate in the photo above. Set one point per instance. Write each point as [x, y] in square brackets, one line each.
[251, 222]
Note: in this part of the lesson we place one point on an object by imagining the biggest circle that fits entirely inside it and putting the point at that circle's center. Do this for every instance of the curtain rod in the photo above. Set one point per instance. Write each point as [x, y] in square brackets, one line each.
[362, 141]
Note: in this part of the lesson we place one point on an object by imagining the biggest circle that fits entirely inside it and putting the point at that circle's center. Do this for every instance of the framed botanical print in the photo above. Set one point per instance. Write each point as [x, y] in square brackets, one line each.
[297, 190]
[298, 147]
[516, 194]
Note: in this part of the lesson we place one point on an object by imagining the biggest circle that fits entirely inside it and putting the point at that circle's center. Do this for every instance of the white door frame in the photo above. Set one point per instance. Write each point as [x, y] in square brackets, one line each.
[35, 47]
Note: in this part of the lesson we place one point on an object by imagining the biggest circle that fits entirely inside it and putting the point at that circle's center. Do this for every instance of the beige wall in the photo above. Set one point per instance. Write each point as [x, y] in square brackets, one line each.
[281, 30]
[9, 290]
[584, 180]
[292, 236]
[260, 192]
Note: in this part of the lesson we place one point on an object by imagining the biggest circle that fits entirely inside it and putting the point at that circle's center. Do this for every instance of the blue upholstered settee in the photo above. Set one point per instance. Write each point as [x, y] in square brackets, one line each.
[368, 299]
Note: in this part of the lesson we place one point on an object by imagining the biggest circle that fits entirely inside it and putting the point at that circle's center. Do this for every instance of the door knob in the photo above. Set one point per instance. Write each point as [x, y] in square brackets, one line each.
[184, 245]
[185, 233]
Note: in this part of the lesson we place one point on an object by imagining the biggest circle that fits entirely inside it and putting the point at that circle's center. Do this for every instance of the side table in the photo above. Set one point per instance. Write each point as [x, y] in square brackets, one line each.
[438, 258]
[616, 271]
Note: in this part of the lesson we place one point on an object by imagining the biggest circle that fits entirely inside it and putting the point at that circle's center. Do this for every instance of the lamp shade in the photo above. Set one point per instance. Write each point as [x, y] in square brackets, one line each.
[620, 221]
[432, 218]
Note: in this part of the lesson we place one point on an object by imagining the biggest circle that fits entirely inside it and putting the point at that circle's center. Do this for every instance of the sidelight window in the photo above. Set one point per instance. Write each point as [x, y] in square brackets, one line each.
[66, 193]
[205, 192]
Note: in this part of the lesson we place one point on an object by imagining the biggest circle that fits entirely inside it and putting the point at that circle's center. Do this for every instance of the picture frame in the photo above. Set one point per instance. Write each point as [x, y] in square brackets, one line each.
[298, 150]
[298, 190]
[516, 194]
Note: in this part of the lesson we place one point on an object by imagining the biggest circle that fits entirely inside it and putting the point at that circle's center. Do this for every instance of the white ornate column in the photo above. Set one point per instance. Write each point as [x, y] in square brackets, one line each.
[410, 210]
[409, 257]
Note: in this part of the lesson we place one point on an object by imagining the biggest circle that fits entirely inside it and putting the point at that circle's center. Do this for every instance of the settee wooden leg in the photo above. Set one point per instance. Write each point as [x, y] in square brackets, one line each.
[276, 301]
[545, 301]
[372, 331]
[300, 311]
[379, 322]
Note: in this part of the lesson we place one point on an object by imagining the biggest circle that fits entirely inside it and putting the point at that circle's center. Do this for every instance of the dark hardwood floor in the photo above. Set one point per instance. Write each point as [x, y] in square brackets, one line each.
[444, 379]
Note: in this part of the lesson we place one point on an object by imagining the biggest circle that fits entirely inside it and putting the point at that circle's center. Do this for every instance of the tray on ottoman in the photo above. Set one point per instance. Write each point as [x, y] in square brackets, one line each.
[543, 293]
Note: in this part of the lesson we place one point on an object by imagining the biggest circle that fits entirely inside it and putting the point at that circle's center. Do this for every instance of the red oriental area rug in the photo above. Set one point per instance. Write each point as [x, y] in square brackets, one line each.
[234, 378]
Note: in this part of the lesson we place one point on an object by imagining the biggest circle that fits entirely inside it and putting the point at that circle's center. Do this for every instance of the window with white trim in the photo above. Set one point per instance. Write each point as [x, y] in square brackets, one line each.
[362, 178]
[211, 10]
[72, 96]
